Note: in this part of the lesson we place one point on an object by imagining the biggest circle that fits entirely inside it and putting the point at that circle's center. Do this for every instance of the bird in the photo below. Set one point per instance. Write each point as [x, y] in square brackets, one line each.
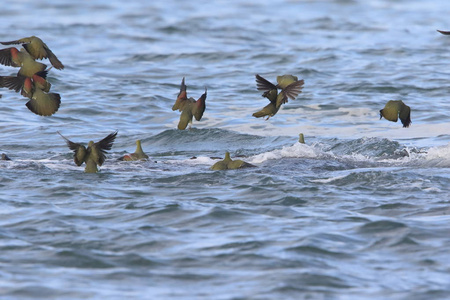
[37, 90]
[21, 59]
[301, 138]
[139, 154]
[189, 107]
[41, 102]
[228, 164]
[444, 32]
[5, 157]
[289, 86]
[395, 109]
[95, 153]
[16, 82]
[37, 49]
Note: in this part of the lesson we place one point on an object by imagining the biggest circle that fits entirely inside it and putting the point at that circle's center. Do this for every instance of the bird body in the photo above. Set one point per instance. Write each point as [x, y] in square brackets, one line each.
[95, 153]
[138, 154]
[289, 86]
[395, 109]
[37, 50]
[228, 164]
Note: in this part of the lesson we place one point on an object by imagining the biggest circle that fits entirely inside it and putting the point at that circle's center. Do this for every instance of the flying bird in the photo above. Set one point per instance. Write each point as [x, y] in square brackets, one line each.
[38, 50]
[138, 154]
[95, 153]
[289, 87]
[21, 59]
[37, 90]
[395, 109]
[189, 107]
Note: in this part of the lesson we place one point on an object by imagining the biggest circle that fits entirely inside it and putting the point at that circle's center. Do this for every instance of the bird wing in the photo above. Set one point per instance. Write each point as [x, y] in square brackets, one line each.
[181, 98]
[78, 149]
[405, 115]
[263, 84]
[103, 145]
[12, 82]
[199, 107]
[6, 58]
[293, 89]
[444, 32]
[20, 41]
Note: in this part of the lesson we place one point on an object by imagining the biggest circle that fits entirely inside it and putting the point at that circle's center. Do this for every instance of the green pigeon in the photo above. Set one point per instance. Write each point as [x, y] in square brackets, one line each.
[37, 90]
[137, 155]
[301, 138]
[41, 102]
[16, 83]
[5, 157]
[95, 153]
[21, 59]
[395, 109]
[189, 107]
[289, 86]
[37, 49]
[228, 164]
[444, 32]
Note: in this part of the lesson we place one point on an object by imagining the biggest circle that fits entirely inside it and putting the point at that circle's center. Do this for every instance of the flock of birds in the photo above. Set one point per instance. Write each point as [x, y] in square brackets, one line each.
[31, 82]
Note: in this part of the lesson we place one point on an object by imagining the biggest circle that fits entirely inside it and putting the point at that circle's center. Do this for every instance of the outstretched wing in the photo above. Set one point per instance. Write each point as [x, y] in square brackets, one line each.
[78, 149]
[103, 145]
[12, 82]
[405, 115]
[263, 84]
[181, 98]
[295, 88]
[199, 107]
[6, 57]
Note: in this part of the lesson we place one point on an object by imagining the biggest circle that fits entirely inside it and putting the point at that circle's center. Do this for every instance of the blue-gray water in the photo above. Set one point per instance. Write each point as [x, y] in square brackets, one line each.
[361, 211]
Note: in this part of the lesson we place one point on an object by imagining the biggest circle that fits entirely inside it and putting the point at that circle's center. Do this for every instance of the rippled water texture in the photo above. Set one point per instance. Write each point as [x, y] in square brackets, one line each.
[361, 211]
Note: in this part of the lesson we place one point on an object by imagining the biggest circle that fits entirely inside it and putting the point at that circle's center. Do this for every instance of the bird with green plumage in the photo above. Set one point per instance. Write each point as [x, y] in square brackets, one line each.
[228, 164]
[36, 88]
[287, 87]
[37, 49]
[138, 154]
[93, 155]
[395, 109]
[189, 107]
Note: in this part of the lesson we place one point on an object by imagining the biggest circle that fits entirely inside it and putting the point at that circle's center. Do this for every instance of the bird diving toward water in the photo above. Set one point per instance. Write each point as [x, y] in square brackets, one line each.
[395, 109]
[139, 154]
[36, 88]
[37, 49]
[189, 107]
[95, 153]
[289, 86]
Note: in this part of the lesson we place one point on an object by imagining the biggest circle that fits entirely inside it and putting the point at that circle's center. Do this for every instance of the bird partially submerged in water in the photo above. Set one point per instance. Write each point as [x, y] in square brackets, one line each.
[138, 154]
[228, 164]
[395, 109]
[95, 153]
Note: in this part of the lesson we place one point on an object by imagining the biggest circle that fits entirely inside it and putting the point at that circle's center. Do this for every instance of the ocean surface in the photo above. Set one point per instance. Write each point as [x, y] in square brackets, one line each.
[361, 211]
